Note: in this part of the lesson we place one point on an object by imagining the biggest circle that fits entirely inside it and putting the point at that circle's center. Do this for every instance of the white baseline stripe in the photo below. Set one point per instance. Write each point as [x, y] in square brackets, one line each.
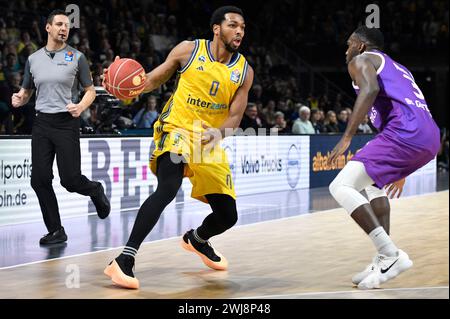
[342, 292]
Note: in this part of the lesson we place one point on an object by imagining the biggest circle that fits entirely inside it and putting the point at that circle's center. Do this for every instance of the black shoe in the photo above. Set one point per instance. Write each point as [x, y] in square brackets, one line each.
[56, 237]
[120, 270]
[126, 264]
[101, 203]
[210, 257]
[204, 248]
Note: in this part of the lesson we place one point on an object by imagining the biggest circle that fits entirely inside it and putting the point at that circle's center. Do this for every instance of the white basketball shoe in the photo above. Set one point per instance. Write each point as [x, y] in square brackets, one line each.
[385, 268]
[356, 279]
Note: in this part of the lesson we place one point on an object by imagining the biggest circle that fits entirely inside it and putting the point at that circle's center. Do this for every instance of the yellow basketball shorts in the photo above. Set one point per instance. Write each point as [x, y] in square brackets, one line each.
[209, 172]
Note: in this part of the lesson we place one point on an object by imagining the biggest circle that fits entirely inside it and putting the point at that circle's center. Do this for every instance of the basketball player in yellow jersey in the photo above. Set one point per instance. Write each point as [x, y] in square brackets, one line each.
[211, 96]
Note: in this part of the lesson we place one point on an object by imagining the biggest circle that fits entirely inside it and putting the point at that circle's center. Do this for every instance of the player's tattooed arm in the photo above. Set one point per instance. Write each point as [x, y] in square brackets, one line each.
[364, 74]
[177, 58]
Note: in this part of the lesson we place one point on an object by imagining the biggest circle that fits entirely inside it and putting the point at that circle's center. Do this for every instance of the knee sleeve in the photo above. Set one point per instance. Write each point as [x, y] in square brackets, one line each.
[230, 218]
[170, 177]
[167, 189]
[348, 184]
[224, 208]
[223, 217]
[374, 192]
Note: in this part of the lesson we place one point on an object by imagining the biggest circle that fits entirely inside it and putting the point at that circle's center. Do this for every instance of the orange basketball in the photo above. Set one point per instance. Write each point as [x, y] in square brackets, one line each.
[125, 79]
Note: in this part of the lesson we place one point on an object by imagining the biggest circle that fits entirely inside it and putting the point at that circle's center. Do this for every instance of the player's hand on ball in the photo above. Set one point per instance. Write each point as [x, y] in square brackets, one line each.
[74, 109]
[104, 76]
[396, 187]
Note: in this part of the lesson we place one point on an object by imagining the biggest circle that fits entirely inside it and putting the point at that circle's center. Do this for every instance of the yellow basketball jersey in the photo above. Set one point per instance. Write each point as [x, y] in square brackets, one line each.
[204, 91]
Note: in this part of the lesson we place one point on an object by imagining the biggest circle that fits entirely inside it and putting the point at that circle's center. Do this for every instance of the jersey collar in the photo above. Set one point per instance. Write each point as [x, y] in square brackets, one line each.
[234, 59]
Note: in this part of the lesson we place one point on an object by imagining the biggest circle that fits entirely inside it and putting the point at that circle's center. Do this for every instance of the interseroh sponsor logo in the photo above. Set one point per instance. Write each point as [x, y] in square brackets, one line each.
[262, 164]
[204, 104]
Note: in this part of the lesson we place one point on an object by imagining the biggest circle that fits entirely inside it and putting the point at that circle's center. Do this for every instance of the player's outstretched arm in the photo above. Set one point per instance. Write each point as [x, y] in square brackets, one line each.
[177, 58]
[364, 74]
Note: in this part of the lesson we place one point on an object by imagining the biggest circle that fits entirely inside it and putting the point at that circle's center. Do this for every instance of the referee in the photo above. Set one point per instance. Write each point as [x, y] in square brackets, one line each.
[56, 71]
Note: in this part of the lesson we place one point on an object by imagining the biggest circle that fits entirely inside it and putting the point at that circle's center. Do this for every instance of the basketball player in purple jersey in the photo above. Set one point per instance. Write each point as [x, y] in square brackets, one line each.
[408, 138]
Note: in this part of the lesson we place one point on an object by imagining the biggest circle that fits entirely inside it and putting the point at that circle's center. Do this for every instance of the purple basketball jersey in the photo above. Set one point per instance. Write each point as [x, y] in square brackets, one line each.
[408, 136]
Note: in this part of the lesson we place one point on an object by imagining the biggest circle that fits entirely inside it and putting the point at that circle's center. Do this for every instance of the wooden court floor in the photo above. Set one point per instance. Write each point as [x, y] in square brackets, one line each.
[306, 256]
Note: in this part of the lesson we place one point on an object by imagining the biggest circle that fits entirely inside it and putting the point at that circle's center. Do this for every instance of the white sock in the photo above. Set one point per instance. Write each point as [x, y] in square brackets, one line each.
[383, 242]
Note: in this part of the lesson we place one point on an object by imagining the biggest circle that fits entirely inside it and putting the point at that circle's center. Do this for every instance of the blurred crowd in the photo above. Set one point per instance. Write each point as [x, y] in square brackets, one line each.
[302, 120]
[409, 26]
[147, 30]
